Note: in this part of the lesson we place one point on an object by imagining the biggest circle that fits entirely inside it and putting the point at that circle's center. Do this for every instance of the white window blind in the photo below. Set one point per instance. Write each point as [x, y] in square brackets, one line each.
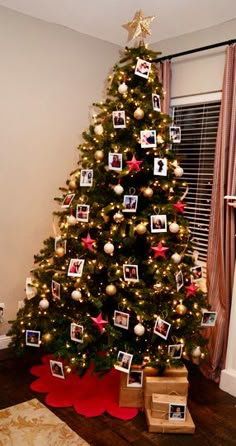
[196, 154]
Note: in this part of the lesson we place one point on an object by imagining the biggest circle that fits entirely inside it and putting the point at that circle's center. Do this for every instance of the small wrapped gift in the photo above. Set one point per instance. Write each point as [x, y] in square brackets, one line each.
[168, 426]
[164, 385]
[176, 371]
[160, 404]
[131, 393]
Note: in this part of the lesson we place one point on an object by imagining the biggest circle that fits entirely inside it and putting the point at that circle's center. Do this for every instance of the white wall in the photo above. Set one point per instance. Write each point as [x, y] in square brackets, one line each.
[200, 72]
[49, 78]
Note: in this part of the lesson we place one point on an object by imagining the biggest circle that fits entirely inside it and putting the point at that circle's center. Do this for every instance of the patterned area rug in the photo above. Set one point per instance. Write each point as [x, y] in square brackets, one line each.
[32, 424]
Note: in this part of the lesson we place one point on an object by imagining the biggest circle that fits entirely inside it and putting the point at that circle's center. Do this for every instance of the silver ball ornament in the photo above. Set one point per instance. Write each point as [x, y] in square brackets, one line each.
[44, 304]
[98, 129]
[118, 189]
[76, 295]
[108, 248]
[139, 113]
[71, 220]
[174, 228]
[123, 88]
[176, 258]
[139, 329]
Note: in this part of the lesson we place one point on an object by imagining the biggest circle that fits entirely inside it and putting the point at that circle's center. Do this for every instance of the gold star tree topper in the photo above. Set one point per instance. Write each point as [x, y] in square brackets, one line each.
[139, 26]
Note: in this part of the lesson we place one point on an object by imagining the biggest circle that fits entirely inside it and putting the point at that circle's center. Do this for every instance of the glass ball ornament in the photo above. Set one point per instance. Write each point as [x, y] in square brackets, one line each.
[76, 295]
[123, 88]
[71, 220]
[98, 129]
[176, 258]
[181, 309]
[72, 184]
[99, 155]
[43, 304]
[60, 252]
[118, 217]
[140, 229]
[118, 189]
[139, 113]
[148, 192]
[139, 329]
[109, 248]
[178, 171]
[111, 289]
[196, 352]
[174, 228]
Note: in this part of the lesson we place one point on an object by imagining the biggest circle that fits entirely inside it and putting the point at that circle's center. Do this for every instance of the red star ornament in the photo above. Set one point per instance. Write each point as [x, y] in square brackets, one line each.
[88, 242]
[191, 290]
[134, 164]
[179, 206]
[159, 251]
[99, 322]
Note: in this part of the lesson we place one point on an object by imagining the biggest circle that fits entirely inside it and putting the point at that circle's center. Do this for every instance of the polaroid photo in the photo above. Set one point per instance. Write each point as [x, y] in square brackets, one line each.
[175, 134]
[160, 167]
[56, 290]
[135, 378]
[123, 362]
[142, 68]
[67, 200]
[156, 102]
[2, 305]
[86, 177]
[161, 328]
[209, 318]
[177, 412]
[130, 203]
[148, 138]
[175, 350]
[82, 212]
[196, 272]
[57, 369]
[118, 118]
[158, 223]
[115, 161]
[32, 338]
[179, 280]
[130, 273]
[76, 332]
[75, 268]
[60, 243]
[121, 319]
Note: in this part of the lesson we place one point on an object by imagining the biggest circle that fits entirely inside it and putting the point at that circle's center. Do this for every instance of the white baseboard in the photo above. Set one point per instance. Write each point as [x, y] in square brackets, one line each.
[228, 381]
[4, 341]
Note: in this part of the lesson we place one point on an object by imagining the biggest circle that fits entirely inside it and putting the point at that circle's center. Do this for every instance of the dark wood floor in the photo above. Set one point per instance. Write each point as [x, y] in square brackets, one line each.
[213, 411]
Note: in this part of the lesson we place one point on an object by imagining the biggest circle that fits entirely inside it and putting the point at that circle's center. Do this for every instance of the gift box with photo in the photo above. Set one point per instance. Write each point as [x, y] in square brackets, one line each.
[121, 319]
[160, 166]
[118, 118]
[86, 177]
[115, 161]
[142, 68]
[177, 412]
[135, 378]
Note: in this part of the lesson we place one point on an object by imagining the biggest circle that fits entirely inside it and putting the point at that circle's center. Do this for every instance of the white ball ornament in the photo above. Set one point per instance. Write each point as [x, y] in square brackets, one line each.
[44, 304]
[139, 113]
[108, 248]
[60, 252]
[174, 228]
[71, 220]
[139, 329]
[111, 289]
[178, 171]
[76, 295]
[98, 129]
[123, 88]
[176, 258]
[118, 217]
[118, 189]
[196, 352]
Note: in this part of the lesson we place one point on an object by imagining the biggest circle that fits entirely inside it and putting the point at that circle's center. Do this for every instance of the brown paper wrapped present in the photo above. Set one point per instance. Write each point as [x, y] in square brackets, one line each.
[164, 385]
[160, 404]
[166, 426]
[176, 371]
[129, 396]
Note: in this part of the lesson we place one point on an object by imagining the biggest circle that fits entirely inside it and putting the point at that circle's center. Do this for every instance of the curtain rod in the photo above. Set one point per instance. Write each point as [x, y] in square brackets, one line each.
[195, 50]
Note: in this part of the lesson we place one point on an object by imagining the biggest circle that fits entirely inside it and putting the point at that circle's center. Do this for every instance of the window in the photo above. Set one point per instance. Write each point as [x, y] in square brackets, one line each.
[198, 119]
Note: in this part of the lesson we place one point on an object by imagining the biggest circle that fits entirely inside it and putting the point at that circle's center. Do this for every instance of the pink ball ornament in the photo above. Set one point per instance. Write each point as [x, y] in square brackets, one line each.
[43, 304]
[174, 228]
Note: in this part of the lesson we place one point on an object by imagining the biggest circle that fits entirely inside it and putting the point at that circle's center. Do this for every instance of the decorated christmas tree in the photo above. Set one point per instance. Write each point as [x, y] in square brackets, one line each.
[117, 279]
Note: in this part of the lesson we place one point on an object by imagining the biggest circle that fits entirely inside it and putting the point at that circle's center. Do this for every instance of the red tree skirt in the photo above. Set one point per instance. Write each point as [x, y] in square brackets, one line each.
[90, 395]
